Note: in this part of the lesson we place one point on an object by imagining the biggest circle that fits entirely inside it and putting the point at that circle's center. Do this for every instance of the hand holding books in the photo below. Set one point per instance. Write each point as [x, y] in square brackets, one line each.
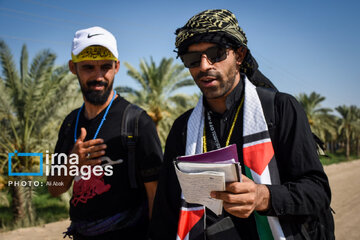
[200, 174]
[241, 199]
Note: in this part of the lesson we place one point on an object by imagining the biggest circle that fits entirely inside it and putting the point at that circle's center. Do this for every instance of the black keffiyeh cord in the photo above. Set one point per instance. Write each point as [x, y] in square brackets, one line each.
[220, 26]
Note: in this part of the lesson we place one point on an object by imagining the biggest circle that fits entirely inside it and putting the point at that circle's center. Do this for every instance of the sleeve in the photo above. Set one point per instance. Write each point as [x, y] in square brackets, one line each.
[167, 201]
[305, 188]
[149, 152]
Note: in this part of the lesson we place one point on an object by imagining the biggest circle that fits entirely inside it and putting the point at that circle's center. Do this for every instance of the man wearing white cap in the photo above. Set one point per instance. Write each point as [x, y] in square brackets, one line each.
[107, 202]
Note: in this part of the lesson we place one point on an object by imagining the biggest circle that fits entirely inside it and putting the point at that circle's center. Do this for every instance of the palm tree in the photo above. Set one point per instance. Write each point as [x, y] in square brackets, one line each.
[183, 102]
[356, 132]
[33, 103]
[322, 123]
[157, 93]
[347, 124]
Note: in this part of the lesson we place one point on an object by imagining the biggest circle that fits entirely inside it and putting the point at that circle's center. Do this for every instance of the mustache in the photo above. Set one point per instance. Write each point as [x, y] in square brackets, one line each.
[97, 83]
[208, 74]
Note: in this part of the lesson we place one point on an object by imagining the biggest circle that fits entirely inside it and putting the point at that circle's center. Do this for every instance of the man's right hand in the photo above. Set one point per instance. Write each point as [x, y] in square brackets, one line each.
[89, 151]
[94, 147]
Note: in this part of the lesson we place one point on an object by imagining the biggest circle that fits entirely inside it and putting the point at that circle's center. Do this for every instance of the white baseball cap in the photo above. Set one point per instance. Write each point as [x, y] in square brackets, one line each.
[94, 36]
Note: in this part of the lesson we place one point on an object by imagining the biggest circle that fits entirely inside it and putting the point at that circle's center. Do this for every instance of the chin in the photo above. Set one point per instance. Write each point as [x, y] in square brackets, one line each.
[97, 97]
[211, 94]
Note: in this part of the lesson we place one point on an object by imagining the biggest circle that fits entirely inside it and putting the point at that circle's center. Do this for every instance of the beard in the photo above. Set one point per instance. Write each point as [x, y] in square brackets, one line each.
[96, 97]
[224, 87]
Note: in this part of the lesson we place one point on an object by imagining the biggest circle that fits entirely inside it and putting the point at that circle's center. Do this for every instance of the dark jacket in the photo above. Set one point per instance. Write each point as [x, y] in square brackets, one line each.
[301, 202]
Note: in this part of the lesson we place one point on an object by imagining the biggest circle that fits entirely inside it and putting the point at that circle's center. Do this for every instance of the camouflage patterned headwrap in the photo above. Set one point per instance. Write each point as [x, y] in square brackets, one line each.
[219, 26]
[219, 22]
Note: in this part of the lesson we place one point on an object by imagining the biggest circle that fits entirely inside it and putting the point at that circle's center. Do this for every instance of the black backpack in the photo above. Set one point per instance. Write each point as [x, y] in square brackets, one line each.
[267, 91]
[267, 99]
[129, 137]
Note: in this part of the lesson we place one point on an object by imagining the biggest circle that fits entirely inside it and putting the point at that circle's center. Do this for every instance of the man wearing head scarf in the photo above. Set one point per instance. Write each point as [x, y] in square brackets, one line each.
[284, 193]
[114, 183]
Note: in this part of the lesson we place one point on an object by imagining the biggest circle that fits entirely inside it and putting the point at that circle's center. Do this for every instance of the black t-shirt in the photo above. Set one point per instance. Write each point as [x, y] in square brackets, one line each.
[104, 196]
[304, 195]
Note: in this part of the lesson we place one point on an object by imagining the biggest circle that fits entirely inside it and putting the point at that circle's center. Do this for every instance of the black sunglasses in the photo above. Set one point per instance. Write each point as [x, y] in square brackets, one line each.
[213, 55]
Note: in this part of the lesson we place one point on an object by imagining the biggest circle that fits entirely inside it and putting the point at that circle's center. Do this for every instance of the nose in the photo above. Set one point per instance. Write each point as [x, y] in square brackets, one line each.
[99, 74]
[204, 63]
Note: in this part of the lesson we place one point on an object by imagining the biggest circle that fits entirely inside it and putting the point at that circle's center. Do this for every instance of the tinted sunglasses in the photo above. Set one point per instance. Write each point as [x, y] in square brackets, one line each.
[213, 55]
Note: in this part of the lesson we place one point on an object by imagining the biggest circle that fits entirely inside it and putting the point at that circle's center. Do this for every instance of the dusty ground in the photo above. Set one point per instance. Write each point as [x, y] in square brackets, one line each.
[345, 185]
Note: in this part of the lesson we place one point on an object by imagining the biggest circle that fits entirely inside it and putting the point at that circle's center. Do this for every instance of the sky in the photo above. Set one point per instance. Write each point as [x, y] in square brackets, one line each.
[302, 46]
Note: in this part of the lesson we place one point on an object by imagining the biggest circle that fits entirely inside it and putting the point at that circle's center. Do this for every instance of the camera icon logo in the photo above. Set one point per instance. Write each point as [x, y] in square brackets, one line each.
[11, 155]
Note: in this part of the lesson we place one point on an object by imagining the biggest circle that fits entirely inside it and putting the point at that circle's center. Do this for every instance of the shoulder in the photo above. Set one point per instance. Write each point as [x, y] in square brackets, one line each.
[175, 142]
[135, 116]
[145, 120]
[183, 118]
[181, 122]
[290, 116]
[72, 115]
[286, 103]
[285, 98]
[128, 111]
[120, 104]
[69, 119]
[124, 111]
[177, 132]
[283, 105]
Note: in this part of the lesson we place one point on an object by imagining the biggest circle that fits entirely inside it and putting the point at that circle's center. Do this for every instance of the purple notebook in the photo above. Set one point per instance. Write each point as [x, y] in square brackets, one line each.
[221, 155]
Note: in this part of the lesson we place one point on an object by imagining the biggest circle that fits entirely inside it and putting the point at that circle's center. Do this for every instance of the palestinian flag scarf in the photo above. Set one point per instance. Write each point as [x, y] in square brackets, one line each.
[259, 160]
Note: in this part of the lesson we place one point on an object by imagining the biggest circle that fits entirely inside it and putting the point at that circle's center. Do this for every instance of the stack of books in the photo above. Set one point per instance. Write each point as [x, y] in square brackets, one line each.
[200, 174]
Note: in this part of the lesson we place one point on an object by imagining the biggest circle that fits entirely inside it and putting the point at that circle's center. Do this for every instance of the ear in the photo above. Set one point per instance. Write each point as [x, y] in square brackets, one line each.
[117, 66]
[240, 54]
[72, 67]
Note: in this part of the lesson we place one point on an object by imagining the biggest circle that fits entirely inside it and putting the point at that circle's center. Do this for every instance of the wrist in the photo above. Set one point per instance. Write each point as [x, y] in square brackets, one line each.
[264, 198]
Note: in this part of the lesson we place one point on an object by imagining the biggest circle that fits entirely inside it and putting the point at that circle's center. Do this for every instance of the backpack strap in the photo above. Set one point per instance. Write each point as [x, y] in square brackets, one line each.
[267, 99]
[129, 135]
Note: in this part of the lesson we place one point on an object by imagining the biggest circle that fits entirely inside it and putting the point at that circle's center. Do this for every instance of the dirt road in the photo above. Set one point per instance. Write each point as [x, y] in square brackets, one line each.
[345, 185]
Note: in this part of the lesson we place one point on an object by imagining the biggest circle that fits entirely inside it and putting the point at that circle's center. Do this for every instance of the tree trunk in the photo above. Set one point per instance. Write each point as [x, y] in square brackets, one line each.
[329, 146]
[332, 146]
[18, 204]
[348, 147]
[155, 115]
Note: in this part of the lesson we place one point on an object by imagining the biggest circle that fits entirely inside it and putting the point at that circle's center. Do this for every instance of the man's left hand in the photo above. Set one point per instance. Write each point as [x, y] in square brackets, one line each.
[242, 198]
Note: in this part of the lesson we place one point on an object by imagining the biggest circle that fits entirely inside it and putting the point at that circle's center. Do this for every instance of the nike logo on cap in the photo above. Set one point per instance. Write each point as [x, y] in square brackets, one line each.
[90, 36]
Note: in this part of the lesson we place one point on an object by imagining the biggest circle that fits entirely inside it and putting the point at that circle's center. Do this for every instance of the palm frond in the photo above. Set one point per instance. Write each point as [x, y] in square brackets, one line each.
[132, 72]
[183, 83]
[24, 61]
[12, 80]
[158, 83]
